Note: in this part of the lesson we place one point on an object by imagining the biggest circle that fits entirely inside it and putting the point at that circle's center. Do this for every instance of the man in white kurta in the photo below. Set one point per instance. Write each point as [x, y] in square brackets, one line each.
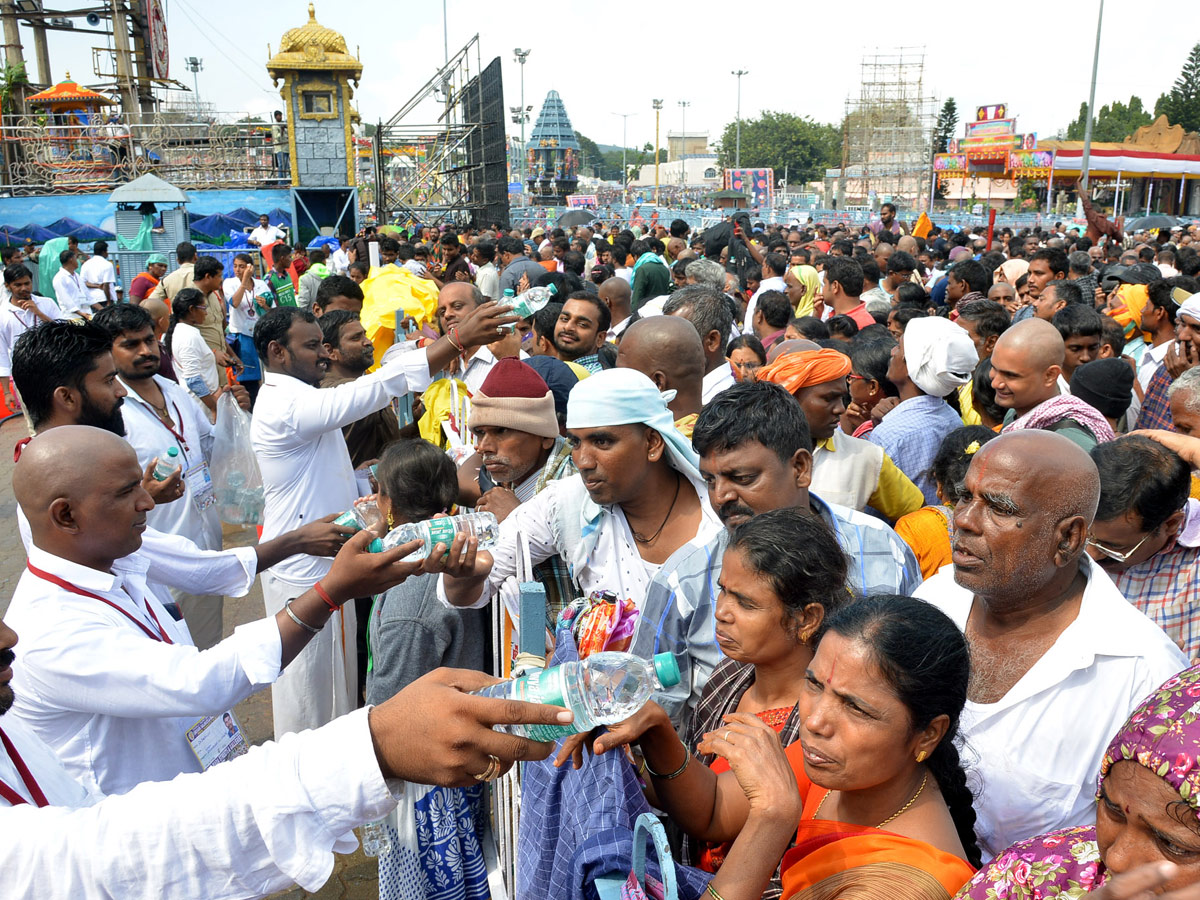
[307, 474]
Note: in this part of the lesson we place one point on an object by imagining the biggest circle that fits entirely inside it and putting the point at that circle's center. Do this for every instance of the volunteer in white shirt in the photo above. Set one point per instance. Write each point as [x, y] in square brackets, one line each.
[99, 275]
[21, 311]
[254, 825]
[307, 474]
[106, 677]
[69, 289]
[248, 298]
[1059, 658]
[265, 233]
[195, 364]
[339, 260]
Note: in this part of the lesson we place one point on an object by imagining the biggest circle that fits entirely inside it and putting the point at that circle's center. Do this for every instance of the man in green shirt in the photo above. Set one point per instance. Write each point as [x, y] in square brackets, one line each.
[279, 279]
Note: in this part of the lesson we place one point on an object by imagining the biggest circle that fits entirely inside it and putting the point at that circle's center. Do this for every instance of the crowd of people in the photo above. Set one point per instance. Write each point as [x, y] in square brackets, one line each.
[913, 509]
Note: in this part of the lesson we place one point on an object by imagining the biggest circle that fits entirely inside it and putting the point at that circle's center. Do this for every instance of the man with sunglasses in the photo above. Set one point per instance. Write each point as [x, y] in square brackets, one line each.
[1146, 534]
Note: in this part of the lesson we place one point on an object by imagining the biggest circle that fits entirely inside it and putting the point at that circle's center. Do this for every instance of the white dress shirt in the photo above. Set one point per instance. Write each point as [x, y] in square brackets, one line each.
[48, 773]
[266, 234]
[193, 437]
[113, 702]
[193, 360]
[15, 321]
[1036, 752]
[487, 279]
[716, 381]
[100, 270]
[339, 261]
[477, 368]
[297, 436]
[71, 293]
[246, 828]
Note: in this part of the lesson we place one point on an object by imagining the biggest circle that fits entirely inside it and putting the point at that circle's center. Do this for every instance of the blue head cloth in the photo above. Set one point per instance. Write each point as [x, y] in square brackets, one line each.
[627, 397]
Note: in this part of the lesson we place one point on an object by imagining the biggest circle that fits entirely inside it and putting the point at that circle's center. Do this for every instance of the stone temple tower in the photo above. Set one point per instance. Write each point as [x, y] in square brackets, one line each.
[316, 70]
[553, 154]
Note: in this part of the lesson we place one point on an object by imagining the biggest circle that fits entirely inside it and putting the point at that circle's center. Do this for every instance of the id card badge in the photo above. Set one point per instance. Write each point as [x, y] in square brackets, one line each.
[215, 739]
[200, 486]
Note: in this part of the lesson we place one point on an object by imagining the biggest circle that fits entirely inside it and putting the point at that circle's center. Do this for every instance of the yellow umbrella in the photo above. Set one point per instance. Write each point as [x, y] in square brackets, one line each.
[387, 290]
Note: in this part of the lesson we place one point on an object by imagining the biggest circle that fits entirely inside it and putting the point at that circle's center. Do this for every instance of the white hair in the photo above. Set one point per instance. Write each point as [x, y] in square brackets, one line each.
[1188, 385]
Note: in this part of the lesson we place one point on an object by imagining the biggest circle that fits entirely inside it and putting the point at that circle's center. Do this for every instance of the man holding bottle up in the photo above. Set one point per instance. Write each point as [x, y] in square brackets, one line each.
[307, 474]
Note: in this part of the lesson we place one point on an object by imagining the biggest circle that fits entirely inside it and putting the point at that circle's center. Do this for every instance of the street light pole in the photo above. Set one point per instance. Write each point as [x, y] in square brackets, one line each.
[658, 105]
[683, 105]
[624, 168]
[737, 158]
[523, 55]
[195, 64]
[1087, 129]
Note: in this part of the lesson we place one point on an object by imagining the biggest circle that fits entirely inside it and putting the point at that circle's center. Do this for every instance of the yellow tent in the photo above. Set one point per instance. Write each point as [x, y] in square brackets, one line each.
[387, 290]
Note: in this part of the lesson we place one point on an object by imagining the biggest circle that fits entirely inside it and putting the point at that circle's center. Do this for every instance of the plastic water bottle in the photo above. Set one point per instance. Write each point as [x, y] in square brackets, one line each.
[432, 532]
[528, 303]
[603, 689]
[375, 840]
[166, 464]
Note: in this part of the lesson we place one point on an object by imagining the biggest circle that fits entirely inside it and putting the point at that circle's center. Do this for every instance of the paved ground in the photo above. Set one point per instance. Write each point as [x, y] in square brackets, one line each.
[355, 877]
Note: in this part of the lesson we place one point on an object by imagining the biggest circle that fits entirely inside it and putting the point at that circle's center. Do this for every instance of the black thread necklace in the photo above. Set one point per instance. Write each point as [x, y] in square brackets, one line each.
[649, 540]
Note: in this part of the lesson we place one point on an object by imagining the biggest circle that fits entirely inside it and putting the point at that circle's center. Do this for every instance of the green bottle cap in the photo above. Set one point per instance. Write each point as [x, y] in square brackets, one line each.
[376, 546]
[666, 669]
[173, 452]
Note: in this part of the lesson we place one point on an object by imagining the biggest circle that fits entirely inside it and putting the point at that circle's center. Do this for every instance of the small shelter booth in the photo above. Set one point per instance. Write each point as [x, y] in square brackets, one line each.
[138, 204]
[81, 149]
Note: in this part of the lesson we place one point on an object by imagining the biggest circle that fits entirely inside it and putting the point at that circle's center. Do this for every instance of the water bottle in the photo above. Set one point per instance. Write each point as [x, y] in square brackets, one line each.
[528, 303]
[363, 514]
[165, 466]
[603, 689]
[432, 532]
[375, 841]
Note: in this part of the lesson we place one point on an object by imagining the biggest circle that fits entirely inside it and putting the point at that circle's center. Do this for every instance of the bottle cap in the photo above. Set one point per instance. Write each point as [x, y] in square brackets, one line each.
[666, 669]
[174, 451]
[376, 546]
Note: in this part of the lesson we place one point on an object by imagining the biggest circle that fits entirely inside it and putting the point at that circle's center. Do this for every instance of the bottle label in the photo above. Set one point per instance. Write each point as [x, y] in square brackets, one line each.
[441, 531]
[530, 689]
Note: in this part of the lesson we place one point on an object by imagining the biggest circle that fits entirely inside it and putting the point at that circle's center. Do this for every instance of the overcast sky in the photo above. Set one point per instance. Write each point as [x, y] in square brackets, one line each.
[601, 63]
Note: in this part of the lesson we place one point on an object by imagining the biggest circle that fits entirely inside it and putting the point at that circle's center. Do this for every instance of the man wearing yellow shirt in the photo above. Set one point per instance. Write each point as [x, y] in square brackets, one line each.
[845, 470]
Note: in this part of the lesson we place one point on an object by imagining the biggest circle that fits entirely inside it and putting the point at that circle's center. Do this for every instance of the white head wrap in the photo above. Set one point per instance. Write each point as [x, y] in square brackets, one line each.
[939, 354]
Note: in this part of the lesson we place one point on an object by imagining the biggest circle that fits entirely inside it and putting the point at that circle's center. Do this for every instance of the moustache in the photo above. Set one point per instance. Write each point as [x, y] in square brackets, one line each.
[733, 508]
[6, 658]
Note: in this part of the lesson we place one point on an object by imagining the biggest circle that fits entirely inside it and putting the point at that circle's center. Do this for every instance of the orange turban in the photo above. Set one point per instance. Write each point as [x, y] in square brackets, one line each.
[794, 371]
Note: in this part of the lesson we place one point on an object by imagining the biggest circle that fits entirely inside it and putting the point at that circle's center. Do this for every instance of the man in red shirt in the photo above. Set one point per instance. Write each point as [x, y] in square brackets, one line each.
[145, 282]
[843, 290]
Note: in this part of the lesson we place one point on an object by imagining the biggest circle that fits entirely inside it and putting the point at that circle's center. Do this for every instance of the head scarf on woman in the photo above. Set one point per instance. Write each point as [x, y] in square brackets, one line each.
[1010, 270]
[808, 278]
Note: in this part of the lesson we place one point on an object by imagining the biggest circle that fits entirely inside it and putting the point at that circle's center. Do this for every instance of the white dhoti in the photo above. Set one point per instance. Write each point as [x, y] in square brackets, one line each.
[321, 683]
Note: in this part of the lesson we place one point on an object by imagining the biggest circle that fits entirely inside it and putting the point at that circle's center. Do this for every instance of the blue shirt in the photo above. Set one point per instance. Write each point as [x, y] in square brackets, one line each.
[911, 435]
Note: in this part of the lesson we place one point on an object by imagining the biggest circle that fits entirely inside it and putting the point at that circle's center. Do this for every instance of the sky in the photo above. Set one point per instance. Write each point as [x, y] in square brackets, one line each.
[1037, 62]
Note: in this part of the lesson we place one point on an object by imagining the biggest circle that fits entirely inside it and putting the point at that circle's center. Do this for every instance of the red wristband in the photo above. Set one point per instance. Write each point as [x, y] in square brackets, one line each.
[321, 592]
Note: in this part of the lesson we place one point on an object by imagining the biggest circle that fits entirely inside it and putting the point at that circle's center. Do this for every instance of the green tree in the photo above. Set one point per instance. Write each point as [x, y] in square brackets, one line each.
[1113, 122]
[946, 127]
[783, 141]
[590, 157]
[1182, 105]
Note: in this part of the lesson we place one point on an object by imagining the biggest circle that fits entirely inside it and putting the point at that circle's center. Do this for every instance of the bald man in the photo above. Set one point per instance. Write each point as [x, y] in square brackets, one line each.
[106, 677]
[668, 351]
[1027, 364]
[1058, 657]
[617, 295]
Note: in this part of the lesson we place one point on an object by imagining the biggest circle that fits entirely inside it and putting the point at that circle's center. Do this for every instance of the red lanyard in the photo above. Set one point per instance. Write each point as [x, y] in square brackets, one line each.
[31, 785]
[178, 435]
[67, 586]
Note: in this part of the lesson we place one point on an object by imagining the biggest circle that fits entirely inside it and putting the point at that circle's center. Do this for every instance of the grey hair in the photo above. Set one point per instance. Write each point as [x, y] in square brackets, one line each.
[1080, 262]
[705, 307]
[709, 272]
[1187, 384]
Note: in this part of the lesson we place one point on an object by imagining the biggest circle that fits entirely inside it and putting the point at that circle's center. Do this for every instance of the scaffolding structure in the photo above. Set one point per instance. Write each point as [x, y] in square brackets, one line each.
[887, 131]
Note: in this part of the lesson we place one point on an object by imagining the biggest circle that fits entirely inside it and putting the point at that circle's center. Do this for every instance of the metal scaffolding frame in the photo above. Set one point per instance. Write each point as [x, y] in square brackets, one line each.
[888, 129]
[433, 182]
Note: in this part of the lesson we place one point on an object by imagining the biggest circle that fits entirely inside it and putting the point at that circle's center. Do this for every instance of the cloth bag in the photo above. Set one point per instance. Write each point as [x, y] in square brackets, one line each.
[237, 481]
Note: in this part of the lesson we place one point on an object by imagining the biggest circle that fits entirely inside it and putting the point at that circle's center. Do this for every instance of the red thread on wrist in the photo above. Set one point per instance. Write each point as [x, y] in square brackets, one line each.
[323, 594]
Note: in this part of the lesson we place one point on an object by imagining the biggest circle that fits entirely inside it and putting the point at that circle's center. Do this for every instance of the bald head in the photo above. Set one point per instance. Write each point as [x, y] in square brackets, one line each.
[1026, 364]
[618, 296]
[1037, 340]
[88, 514]
[795, 345]
[667, 349]
[1070, 487]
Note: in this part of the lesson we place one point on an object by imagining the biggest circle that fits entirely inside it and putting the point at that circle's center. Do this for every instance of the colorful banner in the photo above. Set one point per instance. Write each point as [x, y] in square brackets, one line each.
[1030, 163]
[582, 201]
[759, 184]
[950, 163]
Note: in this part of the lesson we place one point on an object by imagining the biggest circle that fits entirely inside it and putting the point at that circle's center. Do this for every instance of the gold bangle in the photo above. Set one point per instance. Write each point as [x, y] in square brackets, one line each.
[641, 767]
[687, 761]
[712, 890]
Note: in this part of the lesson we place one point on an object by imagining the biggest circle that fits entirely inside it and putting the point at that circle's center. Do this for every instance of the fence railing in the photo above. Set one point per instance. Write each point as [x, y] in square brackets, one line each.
[49, 154]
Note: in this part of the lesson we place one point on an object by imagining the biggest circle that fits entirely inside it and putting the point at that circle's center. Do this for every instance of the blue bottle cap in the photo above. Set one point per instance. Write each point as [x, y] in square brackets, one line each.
[666, 669]
[376, 546]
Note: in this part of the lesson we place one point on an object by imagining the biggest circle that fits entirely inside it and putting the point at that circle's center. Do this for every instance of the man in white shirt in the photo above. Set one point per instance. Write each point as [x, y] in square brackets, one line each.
[69, 290]
[107, 678]
[266, 233]
[774, 266]
[487, 279]
[307, 474]
[100, 276]
[708, 310]
[339, 260]
[1058, 657]
[248, 297]
[20, 312]
[254, 825]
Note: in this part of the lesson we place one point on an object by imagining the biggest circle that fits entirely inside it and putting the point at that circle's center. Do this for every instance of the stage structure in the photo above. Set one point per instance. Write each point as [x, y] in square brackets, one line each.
[453, 169]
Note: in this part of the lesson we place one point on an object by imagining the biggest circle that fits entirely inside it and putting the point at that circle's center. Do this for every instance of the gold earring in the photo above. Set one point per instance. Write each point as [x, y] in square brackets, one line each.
[921, 756]
[390, 523]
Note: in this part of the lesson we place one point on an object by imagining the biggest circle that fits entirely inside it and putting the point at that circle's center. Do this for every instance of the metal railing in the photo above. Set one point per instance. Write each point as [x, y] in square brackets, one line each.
[53, 154]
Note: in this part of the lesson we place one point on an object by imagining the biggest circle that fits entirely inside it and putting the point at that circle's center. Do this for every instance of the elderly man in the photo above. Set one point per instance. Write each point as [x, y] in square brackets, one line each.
[846, 470]
[636, 503]
[667, 350]
[934, 357]
[708, 311]
[1058, 657]
[1147, 531]
[1027, 364]
[755, 456]
[307, 474]
[85, 523]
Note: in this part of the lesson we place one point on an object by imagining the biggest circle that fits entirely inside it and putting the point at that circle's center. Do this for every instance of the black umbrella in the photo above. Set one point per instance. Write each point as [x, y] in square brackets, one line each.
[1151, 223]
[574, 217]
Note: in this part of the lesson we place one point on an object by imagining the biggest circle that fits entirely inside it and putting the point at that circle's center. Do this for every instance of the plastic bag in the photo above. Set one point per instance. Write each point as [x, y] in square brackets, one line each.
[600, 621]
[237, 481]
